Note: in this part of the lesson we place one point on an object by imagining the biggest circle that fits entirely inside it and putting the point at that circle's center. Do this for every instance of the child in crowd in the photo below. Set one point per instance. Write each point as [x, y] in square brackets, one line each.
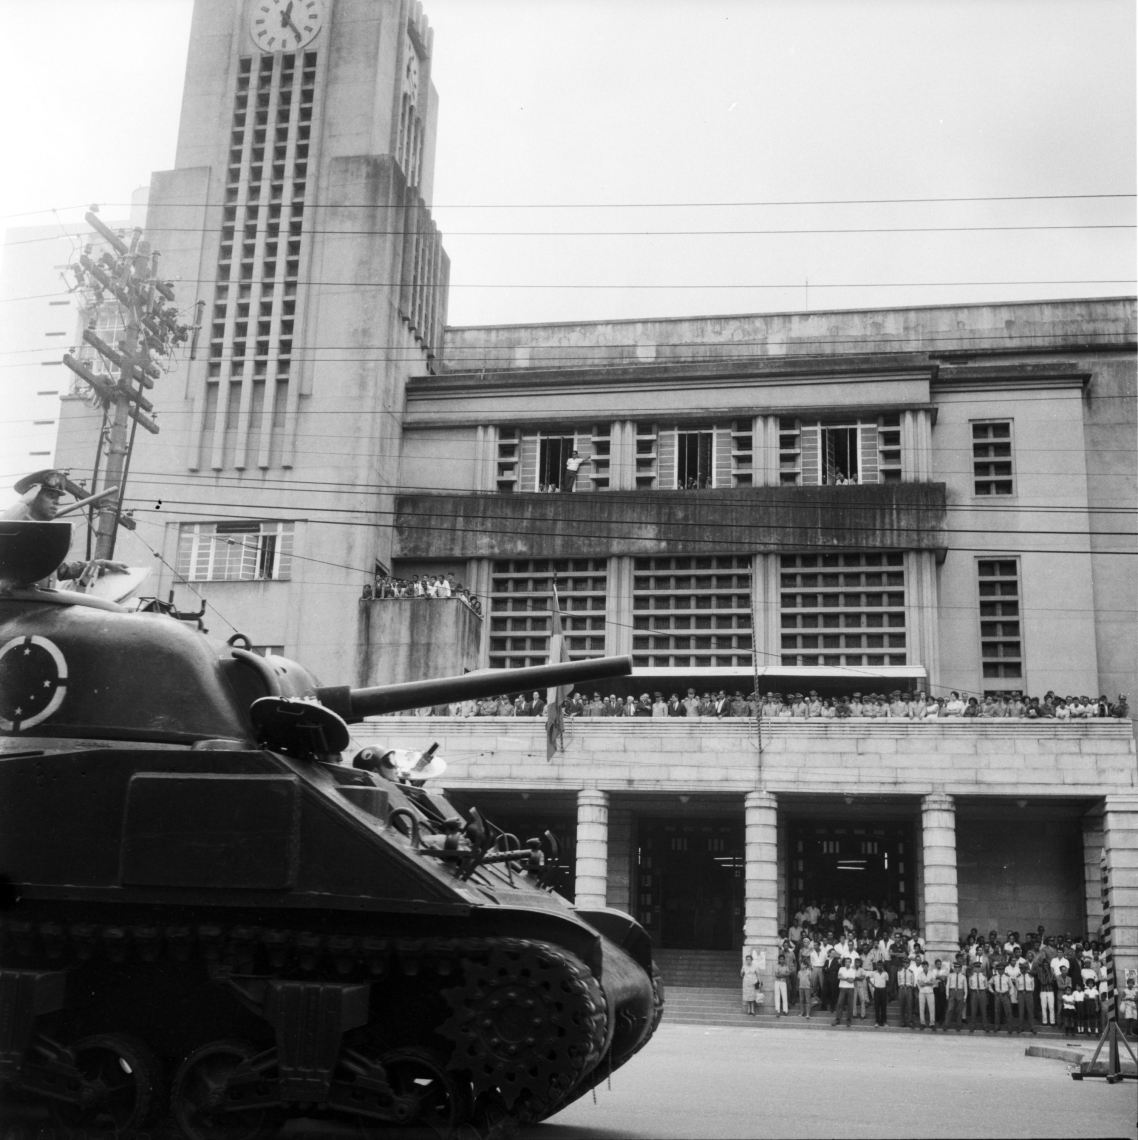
[861, 990]
[751, 985]
[1078, 999]
[805, 977]
[1128, 1004]
[1066, 991]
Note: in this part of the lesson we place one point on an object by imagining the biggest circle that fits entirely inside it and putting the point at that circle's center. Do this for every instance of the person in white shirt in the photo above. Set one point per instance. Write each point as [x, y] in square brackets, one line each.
[879, 984]
[817, 957]
[955, 706]
[1026, 984]
[1002, 984]
[907, 989]
[956, 992]
[977, 998]
[926, 995]
[1013, 972]
[569, 476]
[847, 977]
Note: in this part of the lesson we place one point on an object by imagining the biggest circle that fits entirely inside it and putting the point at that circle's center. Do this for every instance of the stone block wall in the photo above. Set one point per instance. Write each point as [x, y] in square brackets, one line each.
[1018, 759]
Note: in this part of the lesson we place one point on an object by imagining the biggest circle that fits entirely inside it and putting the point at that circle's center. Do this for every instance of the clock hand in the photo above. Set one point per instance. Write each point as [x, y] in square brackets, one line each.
[286, 15]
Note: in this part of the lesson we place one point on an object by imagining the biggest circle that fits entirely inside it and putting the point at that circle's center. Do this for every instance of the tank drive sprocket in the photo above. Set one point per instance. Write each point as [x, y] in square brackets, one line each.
[529, 1020]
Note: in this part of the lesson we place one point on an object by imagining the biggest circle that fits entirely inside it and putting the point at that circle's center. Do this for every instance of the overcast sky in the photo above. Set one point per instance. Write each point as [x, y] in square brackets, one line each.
[616, 102]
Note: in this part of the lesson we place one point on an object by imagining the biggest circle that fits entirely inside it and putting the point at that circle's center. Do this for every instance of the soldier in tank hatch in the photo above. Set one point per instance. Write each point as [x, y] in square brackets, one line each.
[41, 501]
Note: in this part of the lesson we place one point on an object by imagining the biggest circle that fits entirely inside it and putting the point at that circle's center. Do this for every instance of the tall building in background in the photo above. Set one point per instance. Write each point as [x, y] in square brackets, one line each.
[298, 212]
[40, 320]
[936, 498]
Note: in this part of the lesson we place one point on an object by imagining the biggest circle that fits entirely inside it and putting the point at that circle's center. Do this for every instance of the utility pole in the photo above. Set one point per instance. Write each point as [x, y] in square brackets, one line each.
[128, 276]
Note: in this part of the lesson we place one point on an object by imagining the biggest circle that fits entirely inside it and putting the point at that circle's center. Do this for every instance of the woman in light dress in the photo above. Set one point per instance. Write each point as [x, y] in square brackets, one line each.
[751, 985]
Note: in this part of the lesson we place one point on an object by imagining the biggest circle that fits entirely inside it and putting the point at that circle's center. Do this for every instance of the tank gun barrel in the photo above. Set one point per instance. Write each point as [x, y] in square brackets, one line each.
[355, 704]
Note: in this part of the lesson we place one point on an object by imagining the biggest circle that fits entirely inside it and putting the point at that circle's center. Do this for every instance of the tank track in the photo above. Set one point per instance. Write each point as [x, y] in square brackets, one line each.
[528, 1021]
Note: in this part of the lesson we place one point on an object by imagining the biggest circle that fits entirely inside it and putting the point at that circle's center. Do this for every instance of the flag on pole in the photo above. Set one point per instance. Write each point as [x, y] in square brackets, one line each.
[558, 652]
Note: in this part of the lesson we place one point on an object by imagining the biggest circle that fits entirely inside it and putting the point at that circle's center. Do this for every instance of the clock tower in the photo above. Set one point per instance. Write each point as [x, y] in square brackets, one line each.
[297, 215]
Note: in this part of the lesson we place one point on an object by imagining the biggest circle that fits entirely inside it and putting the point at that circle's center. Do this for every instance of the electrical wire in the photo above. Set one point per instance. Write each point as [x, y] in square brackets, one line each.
[656, 205]
[710, 544]
[152, 232]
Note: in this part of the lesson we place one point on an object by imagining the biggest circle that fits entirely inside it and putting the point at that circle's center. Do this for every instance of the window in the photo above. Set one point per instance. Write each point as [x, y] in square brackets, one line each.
[508, 442]
[235, 551]
[789, 452]
[694, 459]
[889, 447]
[992, 457]
[1001, 646]
[843, 609]
[552, 451]
[536, 460]
[268, 650]
[692, 612]
[520, 596]
[840, 454]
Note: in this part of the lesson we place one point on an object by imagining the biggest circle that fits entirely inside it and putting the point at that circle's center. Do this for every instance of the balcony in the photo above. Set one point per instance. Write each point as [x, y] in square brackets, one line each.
[965, 758]
[882, 516]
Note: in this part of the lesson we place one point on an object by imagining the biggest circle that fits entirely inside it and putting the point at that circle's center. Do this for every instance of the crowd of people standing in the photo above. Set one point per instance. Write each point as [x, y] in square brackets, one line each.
[849, 962]
[425, 586]
[896, 706]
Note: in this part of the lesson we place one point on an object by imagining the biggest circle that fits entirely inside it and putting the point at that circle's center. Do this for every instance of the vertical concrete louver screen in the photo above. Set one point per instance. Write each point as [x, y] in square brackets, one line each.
[252, 384]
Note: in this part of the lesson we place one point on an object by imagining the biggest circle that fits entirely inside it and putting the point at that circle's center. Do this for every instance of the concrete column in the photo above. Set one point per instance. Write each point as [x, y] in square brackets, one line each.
[1120, 842]
[923, 444]
[908, 457]
[767, 612]
[478, 583]
[765, 462]
[591, 888]
[921, 606]
[1093, 840]
[618, 606]
[760, 916]
[485, 458]
[619, 891]
[940, 913]
[783, 840]
[622, 456]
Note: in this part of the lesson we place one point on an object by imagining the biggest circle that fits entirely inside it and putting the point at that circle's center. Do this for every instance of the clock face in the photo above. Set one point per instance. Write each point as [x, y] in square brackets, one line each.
[285, 25]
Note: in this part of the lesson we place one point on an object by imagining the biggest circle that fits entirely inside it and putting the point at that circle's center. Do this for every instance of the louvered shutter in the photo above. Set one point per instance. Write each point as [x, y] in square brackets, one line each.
[527, 465]
[722, 456]
[830, 458]
[811, 455]
[867, 454]
[666, 461]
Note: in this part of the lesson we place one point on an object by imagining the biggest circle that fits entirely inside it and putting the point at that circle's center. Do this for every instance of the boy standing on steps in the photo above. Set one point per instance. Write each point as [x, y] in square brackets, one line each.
[805, 979]
[781, 981]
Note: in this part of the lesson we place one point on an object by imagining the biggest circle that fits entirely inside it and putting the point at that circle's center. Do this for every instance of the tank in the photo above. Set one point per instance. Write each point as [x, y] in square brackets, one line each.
[212, 918]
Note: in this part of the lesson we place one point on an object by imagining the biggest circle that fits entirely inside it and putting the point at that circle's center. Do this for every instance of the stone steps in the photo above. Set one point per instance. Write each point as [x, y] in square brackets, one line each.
[699, 968]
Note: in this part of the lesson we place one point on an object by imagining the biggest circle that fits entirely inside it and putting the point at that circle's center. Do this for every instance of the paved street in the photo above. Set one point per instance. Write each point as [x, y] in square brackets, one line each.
[695, 1081]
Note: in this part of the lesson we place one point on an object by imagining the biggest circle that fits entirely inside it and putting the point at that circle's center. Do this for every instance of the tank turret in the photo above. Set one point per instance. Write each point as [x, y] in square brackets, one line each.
[215, 914]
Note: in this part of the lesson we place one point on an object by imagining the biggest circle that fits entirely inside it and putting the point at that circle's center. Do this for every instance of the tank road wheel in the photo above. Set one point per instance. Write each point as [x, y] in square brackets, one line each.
[441, 1102]
[123, 1086]
[529, 1022]
[196, 1097]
